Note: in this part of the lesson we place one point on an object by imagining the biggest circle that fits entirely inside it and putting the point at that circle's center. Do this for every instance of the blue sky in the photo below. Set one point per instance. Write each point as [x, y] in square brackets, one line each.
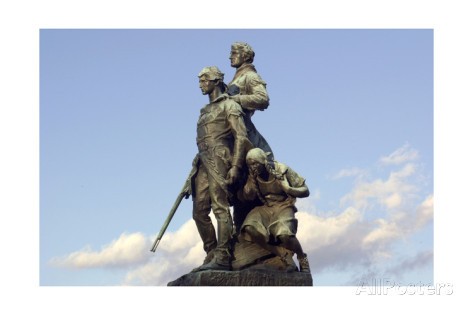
[350, 110]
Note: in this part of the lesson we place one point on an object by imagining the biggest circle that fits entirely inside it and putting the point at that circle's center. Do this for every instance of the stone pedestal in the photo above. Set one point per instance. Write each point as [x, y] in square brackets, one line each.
[246, 277]
[252, 266]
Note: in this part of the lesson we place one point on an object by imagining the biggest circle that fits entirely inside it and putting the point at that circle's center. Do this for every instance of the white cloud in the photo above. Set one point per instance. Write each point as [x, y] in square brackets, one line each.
[181, 251]
[412, 263]
[331, 242]
[165, 268]
[376, 214]
[148, 274]
[393, 200]
[379, 213]
[388, 192]
[316, 232]
[349, 172]
[127, 250]
[181, 240]
[425, 212]
[399, 225]
[401, 155]
[178, 253]
[352, 238]
[386, 231]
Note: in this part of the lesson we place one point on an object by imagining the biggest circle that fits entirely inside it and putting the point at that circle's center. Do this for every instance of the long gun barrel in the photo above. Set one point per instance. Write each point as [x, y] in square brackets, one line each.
[185, 192]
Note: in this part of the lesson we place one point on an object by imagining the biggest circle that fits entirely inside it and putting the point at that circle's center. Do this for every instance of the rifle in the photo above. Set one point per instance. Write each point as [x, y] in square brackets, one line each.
[186, 191]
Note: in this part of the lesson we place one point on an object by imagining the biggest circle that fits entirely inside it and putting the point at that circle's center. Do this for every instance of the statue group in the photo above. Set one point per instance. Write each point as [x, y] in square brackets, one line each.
[235, 167]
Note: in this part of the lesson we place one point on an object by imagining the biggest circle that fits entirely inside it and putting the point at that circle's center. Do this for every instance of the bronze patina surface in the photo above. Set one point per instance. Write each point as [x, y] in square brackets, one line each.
[235, 167]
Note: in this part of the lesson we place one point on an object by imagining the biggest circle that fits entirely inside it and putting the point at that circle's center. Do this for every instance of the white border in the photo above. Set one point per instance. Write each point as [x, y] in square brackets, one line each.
[19, 125]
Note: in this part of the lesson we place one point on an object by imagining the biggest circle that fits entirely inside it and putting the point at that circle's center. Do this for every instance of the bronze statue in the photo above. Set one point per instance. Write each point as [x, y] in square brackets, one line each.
[273, 224]
[222, 143]
[235, 166]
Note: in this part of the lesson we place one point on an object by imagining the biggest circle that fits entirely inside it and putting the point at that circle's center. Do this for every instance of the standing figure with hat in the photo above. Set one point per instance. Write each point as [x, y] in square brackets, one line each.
[222, 143]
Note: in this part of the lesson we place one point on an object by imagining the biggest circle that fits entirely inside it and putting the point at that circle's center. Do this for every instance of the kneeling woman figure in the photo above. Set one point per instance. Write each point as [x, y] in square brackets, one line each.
[273, 222]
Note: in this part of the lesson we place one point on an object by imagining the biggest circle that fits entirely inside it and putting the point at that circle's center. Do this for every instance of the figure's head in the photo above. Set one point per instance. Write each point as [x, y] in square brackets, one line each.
[257, 160]
[241, 53]
[210, 78]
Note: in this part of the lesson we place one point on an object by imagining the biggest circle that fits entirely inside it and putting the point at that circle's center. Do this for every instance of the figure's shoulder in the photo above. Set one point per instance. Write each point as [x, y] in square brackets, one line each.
[247, 71]
[228, 102]
[230, 105]
[253, 78]
[251, 74]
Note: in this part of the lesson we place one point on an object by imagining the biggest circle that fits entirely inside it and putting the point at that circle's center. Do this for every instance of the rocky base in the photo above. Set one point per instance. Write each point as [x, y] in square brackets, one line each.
[252, 266]
[246, 277]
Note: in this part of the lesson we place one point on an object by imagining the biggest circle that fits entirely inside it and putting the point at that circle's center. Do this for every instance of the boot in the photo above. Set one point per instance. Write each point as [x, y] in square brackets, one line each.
[207, 234]
[209, 257]
[220, 261]
[304, 264]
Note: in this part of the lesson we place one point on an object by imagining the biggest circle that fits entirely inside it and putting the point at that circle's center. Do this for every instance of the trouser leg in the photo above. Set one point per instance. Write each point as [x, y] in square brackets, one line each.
[216, 170]
[221, 210]
[201, 211]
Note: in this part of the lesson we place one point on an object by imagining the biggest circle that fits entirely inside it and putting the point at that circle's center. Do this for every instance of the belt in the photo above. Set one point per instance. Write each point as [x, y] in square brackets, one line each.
[207, 144]
[274, 197]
